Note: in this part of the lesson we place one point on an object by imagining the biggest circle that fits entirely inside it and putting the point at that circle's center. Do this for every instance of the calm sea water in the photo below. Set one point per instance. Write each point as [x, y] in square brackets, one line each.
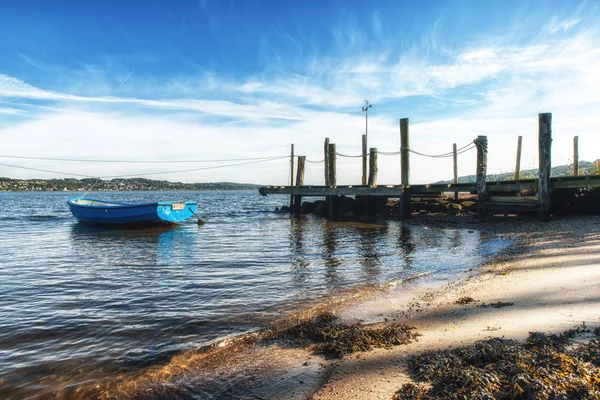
[79, 305]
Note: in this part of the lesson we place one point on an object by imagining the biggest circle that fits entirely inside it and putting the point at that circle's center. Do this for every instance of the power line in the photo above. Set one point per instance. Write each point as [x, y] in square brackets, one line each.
[46, 170]
[144, 173]
[133, 161]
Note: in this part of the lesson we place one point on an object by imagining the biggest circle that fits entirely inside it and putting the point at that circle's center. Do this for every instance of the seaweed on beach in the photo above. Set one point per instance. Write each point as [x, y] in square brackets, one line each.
[335, 339]
[544, 367]
[498, 304]
[466, 300]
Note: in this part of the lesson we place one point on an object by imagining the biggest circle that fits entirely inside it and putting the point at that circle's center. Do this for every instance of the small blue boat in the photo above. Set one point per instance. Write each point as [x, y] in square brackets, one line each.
[100, 212]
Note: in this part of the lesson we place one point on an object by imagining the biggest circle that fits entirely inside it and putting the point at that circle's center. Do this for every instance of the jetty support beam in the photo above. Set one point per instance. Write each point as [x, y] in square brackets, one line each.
[331, 200]
[481, 144]
[373, 167]
[518, 164]
[545, 146]
[326, 158]
[299, 182]
[405, 206]
[292, 177]
[455, 168]
[364, 160]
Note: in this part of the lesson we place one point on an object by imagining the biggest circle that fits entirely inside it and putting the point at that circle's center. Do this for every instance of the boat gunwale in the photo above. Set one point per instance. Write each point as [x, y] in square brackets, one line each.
[115, 204]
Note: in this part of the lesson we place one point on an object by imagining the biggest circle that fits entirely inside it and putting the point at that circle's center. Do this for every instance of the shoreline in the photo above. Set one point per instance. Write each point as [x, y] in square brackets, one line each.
[528, 277]
[549, 282]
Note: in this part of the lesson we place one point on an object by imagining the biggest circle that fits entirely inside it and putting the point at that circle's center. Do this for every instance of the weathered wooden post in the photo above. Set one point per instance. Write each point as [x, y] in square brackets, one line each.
[545, 146]
[405, 206]
[332, 167]
[364, 160]
[332, 181]
[292, 178]
[326, 155]
[576, 156]
[455, 158]
[299, 182]
[518, 165]
[373, 166]
[480, 182]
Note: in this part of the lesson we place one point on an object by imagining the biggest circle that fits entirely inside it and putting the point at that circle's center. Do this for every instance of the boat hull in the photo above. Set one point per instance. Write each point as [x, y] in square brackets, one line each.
[99, 212]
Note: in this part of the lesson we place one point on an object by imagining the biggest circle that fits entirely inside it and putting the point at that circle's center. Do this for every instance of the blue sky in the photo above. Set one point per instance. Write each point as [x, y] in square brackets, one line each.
[207, 80]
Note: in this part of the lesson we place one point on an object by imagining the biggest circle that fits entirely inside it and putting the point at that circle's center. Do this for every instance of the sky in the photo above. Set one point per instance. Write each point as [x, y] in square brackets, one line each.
[210, 91]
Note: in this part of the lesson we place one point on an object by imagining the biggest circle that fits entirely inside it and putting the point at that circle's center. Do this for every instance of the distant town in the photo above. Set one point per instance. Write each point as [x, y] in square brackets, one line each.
[8, 184]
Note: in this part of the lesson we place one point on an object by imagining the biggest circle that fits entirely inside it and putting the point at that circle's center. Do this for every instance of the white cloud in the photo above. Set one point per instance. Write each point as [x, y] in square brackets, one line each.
[486, 88]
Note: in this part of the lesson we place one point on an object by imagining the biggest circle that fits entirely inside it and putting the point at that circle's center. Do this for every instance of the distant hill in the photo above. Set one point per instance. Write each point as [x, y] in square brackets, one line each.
[114, 184]
[585, 167]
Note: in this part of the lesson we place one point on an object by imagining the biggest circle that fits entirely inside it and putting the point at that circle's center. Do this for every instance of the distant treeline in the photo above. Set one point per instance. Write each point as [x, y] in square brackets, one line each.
[115, 184]
[585, 167]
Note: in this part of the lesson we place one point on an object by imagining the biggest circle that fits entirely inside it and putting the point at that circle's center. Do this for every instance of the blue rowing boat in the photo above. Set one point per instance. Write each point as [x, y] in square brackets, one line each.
[100, 212]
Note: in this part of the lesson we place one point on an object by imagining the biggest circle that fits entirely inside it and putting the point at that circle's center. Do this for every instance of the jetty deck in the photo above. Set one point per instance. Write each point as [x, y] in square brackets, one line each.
[394, 191]
[510, 196]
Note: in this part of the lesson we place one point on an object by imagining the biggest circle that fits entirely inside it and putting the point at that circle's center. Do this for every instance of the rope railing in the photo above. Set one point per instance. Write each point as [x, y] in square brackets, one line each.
[347, 156]
[463, 149]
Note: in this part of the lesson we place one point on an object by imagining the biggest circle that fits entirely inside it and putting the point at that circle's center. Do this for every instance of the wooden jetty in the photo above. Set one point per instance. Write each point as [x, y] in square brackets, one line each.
[498, 197]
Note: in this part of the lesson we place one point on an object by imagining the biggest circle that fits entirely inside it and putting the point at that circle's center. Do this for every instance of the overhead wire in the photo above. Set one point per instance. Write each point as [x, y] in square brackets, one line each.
[145, 173]
[133, 161]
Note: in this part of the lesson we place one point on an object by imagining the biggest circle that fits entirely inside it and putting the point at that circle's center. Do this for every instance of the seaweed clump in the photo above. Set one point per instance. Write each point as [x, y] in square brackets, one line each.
[544, 367]
[337, 340]
[465, 300]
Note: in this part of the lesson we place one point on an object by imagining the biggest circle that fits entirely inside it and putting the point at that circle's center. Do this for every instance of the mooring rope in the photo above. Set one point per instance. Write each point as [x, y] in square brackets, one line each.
[463, 149]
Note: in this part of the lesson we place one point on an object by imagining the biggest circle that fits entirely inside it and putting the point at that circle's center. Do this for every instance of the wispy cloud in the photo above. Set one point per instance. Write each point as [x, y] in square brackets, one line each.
[125, 80]
[557, 25]
[32, 62]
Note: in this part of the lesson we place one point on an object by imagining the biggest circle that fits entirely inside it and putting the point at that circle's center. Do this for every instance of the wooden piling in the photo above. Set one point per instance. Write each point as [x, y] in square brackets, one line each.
[364, 160]
[326, 155]
[481, 172]
[545, 146]
[292, 177]
[299, 182]
[332, 167]
[518, 165]
[331, 200]
[455, 160]
[373, 167]
[576, 156]
[405, 206]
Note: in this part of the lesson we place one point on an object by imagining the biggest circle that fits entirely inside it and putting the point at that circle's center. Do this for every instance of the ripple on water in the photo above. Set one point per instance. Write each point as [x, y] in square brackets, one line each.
[80, 305]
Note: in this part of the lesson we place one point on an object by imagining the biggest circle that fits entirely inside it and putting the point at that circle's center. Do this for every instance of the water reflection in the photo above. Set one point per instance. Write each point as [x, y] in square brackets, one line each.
[367, 250]
[300, 263]
[407, 245]
[332, 262]
[148, 246]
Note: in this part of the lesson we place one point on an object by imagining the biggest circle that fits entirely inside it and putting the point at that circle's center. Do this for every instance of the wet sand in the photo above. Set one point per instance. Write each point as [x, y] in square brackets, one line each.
[548, 282]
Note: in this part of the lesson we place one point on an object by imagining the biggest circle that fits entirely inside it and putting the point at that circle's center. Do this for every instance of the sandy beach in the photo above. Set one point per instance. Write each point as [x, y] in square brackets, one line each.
[549, 282]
